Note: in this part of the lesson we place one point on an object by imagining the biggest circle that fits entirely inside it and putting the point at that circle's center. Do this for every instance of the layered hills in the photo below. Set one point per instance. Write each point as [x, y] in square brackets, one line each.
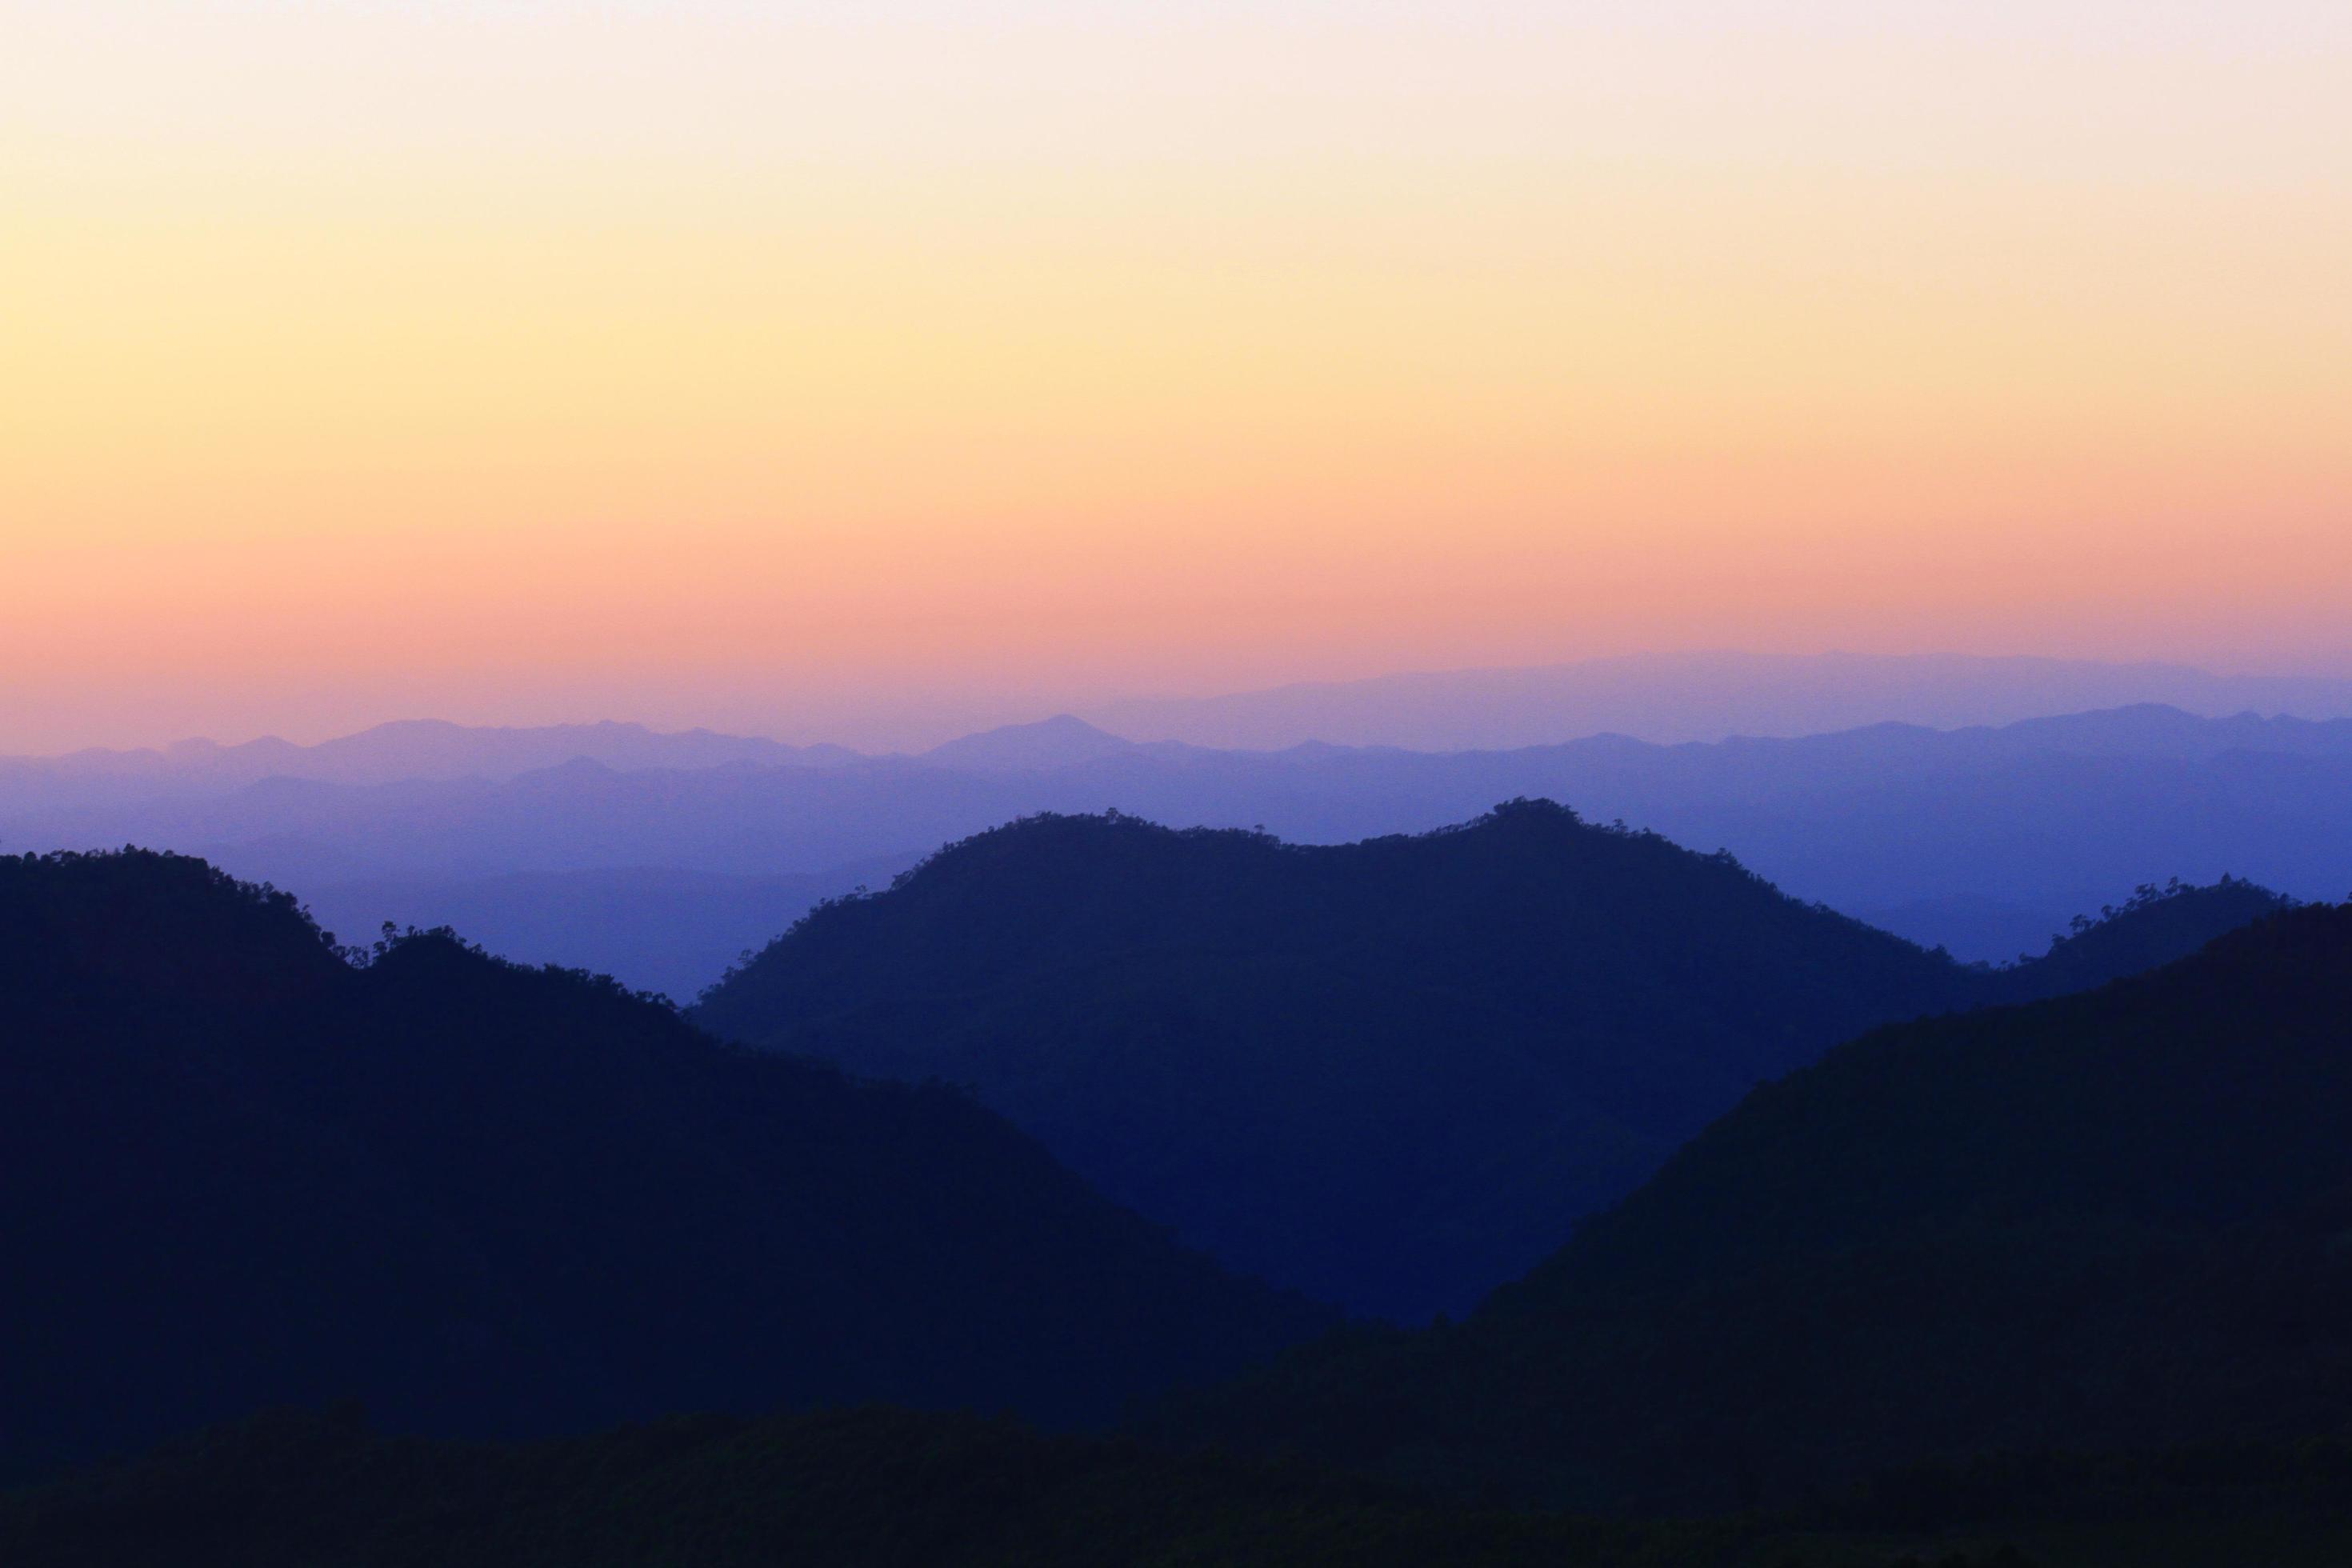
[244, 1166]
[2117, 1220]
[1983, 841]
[2062, 1209]
[1392, 1074]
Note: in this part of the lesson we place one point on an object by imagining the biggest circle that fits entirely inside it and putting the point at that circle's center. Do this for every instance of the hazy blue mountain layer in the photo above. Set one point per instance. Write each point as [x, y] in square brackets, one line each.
[1925, 829]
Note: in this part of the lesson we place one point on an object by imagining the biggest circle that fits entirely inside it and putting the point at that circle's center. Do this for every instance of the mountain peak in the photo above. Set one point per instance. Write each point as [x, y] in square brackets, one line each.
[1059, 741]
[1176, 1013]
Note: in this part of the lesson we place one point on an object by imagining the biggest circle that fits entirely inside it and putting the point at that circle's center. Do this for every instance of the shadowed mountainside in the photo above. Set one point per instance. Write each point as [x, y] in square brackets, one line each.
[2114, 1220]
[1392, 1074]
[240, 1170]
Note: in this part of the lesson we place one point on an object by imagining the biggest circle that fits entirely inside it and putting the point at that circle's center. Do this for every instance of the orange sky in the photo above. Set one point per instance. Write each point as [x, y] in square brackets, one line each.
[858, 371]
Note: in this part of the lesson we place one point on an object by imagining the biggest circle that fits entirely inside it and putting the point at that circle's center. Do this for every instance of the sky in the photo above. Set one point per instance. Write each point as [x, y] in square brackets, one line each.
[864, 371]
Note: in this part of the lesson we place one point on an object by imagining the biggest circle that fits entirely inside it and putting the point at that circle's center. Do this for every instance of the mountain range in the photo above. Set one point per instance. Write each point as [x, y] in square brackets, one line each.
[1982, 840]
[1392, 1074]
[2055, 1284]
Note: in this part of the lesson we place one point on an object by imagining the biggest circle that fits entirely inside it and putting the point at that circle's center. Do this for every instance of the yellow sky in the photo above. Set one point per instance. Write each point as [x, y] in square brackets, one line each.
[732, 363]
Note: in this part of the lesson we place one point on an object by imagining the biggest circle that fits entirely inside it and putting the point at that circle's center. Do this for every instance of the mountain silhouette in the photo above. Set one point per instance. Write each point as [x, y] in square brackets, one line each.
[2110, 1221]
[1055, 742]
[242, 1170]
[1391, 1074]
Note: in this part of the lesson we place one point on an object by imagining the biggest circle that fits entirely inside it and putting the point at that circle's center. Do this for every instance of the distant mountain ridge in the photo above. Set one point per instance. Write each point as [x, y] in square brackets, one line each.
[1987, 840]
[1060, 741]
[1701, 696]
[1664, 698]
[418, 749]
[1393, 1073]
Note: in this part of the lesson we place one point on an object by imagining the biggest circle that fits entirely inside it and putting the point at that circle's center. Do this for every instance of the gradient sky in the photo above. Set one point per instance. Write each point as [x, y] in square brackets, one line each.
[858, 370]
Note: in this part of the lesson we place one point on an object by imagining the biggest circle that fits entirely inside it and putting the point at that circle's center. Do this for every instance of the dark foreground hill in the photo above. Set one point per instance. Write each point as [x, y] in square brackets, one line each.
[885, 1488]
[1392, 1074]
[2111, 1221]
[235, 1169]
